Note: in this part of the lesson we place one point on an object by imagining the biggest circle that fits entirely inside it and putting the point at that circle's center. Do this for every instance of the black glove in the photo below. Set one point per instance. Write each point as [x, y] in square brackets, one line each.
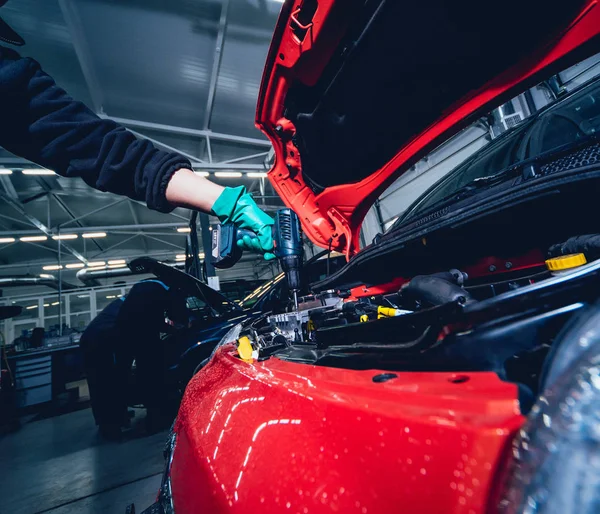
[588, 244]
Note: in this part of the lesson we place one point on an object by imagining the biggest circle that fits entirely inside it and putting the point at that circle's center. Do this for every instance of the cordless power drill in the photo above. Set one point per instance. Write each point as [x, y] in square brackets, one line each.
[287, 242]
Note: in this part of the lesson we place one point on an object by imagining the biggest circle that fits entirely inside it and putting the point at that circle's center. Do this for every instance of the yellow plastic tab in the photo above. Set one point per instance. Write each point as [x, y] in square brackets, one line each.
[565, 262]
[245, 349]
[364, 318]
[386, 312]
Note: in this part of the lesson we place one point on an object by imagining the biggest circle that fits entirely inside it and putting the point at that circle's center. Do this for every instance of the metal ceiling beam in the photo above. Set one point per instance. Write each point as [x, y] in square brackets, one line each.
[245, 158]
[216, 66]
[76, 29]
[166, 254]
[136, 220]
[192, 158]
[217, 136]
[164, 242]
[209, 150]
[61, 203]
[14, 220]
[34, 198]
[16, 205]
[8, 187]
[101, 228]
[95, 211]
[65, 208]
[116, 245]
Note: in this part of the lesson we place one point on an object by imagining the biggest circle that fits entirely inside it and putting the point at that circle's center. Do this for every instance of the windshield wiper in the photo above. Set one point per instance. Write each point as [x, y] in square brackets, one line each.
[526, 169]
[475, 185]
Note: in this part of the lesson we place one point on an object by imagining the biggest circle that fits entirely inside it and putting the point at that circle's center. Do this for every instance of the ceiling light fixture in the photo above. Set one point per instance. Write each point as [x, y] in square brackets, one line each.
[184, 230]
[45, 275]
[31, 307]
[83, 296]
[54, 303]
[7, 239]
[111, 296]
[96, 264]
[180, 257]
[4, 171]
[117, 261]
[202, 173]
[38, 171]
[253, 174]
[201, 255]
[52, 267]
[62, 237]
[94, 235]
[75, 265]
[228, 174]
[32, 239]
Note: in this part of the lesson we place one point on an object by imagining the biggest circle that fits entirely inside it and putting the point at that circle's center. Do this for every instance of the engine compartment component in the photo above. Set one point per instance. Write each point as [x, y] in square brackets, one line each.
[440, 322]
[438, 288]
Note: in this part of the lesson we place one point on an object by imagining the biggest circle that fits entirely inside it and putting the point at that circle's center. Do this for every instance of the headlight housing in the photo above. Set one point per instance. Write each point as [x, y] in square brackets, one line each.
[230, 337]
[556, 467]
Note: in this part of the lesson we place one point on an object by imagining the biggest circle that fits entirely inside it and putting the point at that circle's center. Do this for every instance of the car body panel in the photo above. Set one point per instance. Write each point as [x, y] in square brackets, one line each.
[276, 436]
[333, 216]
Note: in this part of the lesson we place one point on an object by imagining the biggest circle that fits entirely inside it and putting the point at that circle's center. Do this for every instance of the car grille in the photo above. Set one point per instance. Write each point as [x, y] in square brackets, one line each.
[584, 157]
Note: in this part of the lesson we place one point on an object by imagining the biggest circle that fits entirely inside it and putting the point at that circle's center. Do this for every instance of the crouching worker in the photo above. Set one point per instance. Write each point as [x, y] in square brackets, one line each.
[130, 329]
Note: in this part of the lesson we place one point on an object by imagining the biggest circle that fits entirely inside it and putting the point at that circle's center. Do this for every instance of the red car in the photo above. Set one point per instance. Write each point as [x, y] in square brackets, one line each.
[449, 368]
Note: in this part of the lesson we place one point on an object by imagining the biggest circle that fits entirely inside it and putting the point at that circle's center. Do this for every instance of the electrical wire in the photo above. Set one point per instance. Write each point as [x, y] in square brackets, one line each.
[329, 254]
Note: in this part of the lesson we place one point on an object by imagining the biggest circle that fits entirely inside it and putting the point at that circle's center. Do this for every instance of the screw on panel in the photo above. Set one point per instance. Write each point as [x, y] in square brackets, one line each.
[508, 265]
[384, 377]
[492, 268]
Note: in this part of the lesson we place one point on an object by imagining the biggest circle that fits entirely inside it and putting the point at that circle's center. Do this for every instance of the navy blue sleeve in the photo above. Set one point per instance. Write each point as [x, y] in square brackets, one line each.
[42, 123]
[143, 311]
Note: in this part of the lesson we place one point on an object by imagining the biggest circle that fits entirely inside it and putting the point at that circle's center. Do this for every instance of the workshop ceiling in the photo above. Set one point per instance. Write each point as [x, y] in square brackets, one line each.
[184, 73]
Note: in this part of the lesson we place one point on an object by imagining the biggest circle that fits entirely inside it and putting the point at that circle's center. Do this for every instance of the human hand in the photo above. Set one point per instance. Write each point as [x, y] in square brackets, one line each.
[237, 206]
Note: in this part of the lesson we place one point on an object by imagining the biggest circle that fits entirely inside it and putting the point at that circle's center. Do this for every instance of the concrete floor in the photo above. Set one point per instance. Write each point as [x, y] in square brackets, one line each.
[61, 466]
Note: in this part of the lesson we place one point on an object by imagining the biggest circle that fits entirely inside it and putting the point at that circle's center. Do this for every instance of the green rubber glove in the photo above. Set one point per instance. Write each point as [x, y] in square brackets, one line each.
[237, 206]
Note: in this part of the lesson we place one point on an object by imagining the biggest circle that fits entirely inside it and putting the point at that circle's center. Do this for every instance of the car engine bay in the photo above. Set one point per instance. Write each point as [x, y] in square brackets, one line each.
[442, 322]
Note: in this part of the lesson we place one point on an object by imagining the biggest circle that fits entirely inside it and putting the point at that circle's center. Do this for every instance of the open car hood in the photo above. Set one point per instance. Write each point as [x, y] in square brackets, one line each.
[186, 283]
[356, 91]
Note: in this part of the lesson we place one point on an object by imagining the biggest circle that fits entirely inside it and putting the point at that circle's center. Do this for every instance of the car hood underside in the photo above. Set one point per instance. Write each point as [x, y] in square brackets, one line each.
[354, 92]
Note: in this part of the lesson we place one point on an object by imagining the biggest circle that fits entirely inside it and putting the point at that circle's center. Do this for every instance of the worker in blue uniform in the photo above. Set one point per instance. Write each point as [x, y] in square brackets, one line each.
[130, 329]
[42, 123]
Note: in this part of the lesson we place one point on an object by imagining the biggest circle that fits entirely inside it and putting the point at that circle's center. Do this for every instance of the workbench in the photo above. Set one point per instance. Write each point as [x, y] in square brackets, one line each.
[41, 374]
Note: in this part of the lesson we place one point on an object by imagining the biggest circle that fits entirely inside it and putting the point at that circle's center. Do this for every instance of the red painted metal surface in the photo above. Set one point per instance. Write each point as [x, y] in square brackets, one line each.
[336, 214]
[275, 437]
[493, 267]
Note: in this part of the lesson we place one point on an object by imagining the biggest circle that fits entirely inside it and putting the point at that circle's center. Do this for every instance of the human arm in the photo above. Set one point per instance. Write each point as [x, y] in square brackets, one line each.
[45, 125]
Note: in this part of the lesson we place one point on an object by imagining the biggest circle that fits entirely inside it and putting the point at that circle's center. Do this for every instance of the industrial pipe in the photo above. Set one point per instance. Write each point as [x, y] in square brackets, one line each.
[90, 277]
[26, 280]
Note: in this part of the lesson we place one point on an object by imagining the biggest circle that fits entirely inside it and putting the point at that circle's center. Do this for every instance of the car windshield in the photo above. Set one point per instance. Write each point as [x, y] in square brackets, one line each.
[567, 120]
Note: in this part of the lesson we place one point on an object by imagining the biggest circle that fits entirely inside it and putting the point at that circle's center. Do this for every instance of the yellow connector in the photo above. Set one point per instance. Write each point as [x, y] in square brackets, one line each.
[364, 318]
[386, 312]
[245, 350]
